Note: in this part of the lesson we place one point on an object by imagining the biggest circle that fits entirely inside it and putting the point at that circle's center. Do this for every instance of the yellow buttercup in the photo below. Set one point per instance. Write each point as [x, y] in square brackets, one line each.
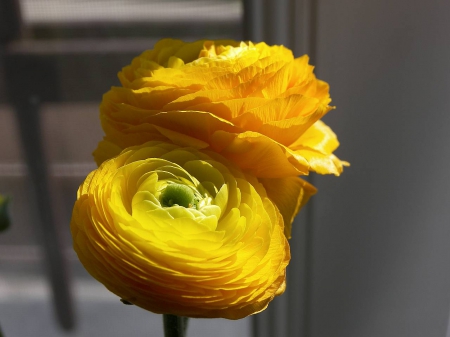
[181, 231]
[255, 104]
[241, 99]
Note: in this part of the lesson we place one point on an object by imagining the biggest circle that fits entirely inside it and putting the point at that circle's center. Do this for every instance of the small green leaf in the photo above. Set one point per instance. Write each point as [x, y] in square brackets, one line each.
[4, 218]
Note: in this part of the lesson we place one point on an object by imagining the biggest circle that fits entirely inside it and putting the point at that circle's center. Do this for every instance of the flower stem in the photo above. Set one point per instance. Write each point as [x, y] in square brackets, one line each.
[175, 326]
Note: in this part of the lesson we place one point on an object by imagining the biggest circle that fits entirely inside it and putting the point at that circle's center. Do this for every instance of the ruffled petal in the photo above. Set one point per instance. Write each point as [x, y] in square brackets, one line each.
[290, 194]
[258, 154]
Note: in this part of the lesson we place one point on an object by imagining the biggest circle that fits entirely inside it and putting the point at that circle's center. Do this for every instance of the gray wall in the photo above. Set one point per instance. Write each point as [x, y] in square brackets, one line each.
[381, 234]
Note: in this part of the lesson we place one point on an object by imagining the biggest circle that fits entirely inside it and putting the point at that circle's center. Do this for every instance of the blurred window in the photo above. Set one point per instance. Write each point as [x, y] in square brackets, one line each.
[144, 18]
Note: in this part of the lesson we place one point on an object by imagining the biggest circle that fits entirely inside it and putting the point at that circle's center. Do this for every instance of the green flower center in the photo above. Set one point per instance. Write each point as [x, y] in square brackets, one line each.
[177, 194]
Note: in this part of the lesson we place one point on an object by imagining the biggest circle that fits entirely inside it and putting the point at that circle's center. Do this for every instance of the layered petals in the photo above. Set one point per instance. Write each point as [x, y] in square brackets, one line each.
[212, 94]
[183, 231]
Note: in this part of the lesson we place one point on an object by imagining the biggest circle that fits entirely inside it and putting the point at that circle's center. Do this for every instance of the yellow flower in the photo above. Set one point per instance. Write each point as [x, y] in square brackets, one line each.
[181, 231]
[255, 104]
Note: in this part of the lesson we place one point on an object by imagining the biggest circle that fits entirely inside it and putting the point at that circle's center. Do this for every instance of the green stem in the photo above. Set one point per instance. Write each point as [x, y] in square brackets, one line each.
[175, 326]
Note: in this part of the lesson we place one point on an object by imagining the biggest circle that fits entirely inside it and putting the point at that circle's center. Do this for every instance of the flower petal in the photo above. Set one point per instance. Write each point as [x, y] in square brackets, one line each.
[290, 194]
[258, 154]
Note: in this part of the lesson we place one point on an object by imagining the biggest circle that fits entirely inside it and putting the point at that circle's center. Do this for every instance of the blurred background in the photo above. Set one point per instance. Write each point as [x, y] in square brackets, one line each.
[371, 254]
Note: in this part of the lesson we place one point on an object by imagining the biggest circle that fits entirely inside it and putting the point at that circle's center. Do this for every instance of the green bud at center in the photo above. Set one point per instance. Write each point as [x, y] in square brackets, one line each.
[177, 194]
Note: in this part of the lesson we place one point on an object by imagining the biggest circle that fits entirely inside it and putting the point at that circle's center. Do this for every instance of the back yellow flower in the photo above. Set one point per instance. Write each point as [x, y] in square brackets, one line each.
[255, 104]
[181, 231]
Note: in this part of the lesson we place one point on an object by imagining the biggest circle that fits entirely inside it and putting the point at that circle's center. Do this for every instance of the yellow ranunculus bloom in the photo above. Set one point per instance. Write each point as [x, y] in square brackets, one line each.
[181, 231]
[255, 104]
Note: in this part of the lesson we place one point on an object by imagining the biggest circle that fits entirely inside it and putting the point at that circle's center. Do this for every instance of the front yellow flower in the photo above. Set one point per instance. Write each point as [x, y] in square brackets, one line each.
[181, 231]
[255, 104]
